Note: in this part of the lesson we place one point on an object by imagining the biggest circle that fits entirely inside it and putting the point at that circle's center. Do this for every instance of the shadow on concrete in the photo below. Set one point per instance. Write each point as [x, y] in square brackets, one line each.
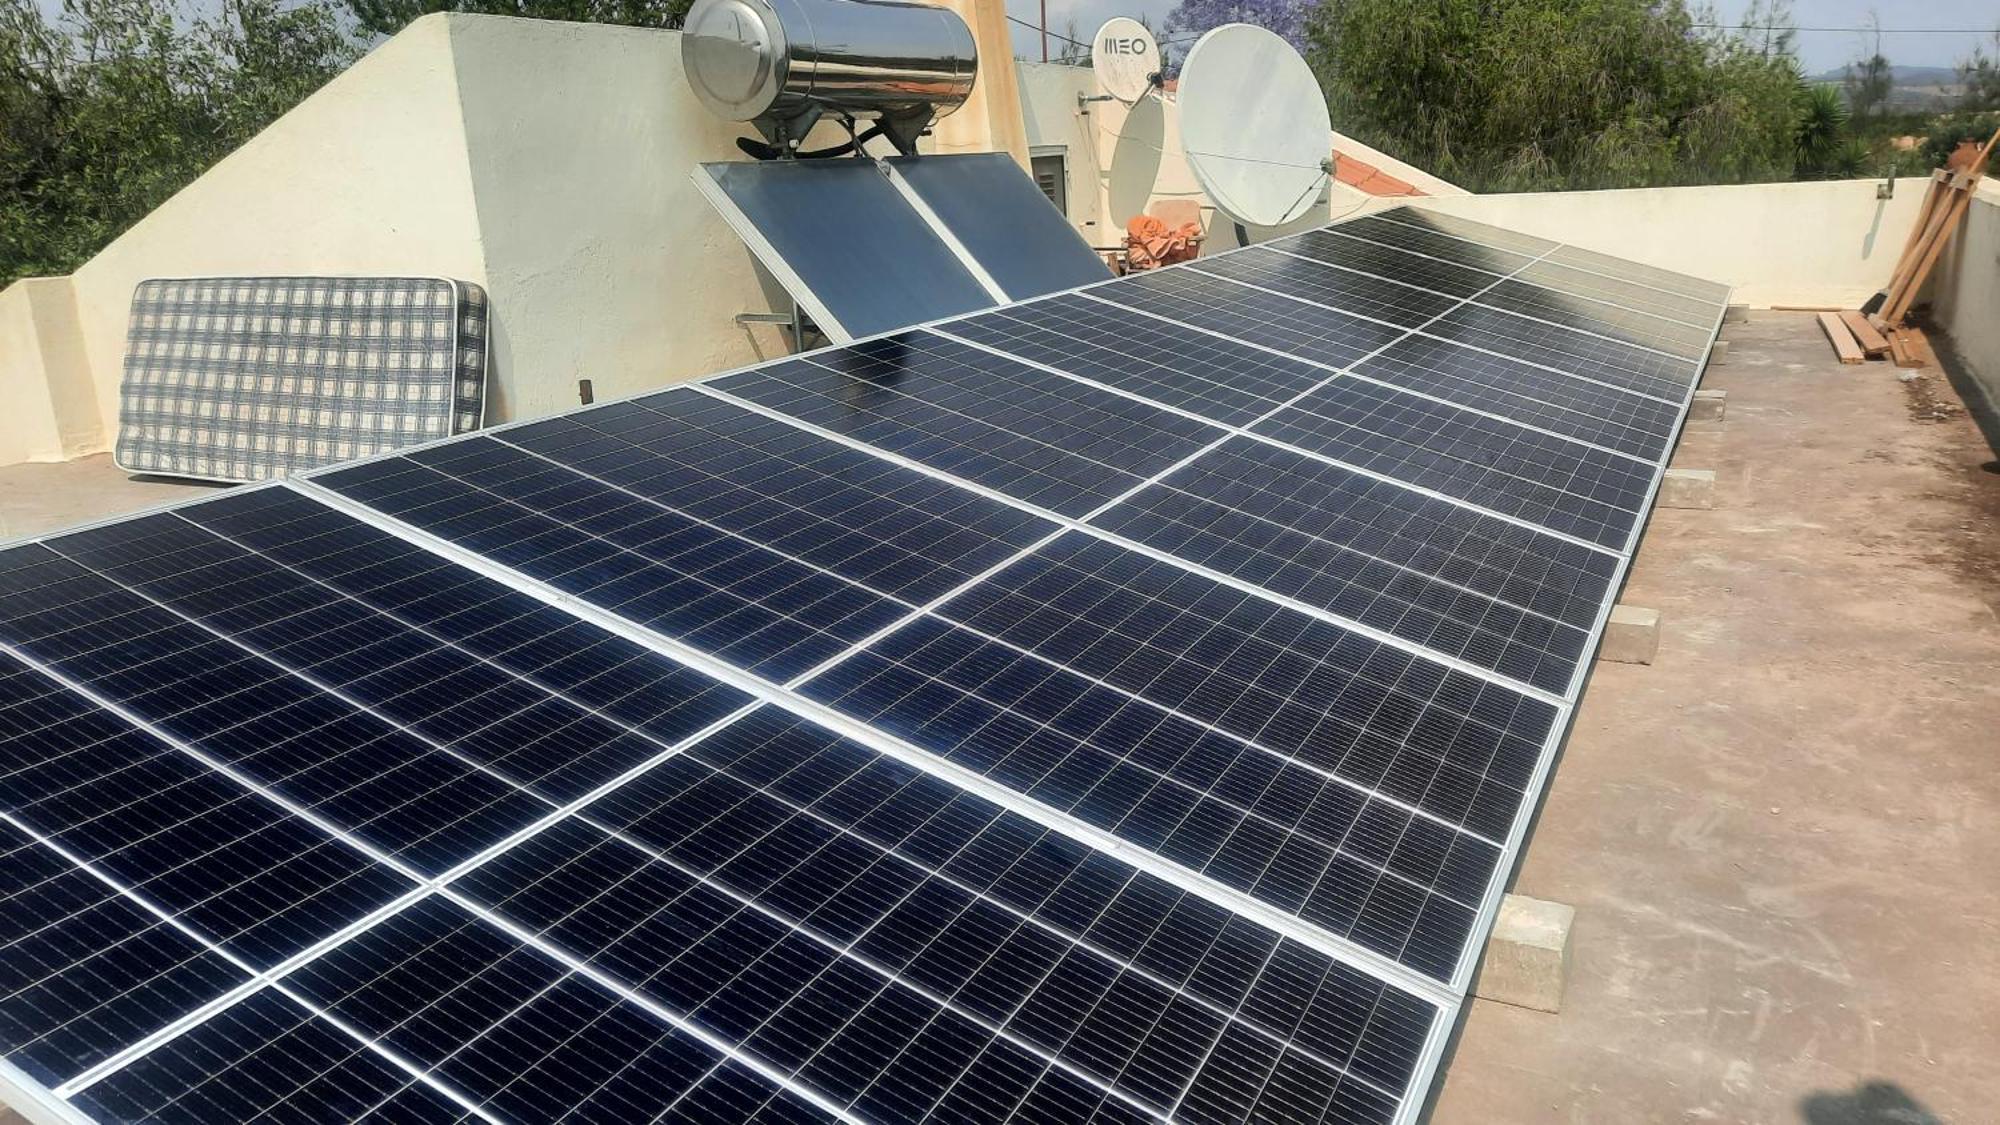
[1979, 402]
[1870, 1103]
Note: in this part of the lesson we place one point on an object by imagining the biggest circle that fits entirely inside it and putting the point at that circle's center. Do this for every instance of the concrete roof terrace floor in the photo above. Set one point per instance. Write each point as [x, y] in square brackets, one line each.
[1782, 839]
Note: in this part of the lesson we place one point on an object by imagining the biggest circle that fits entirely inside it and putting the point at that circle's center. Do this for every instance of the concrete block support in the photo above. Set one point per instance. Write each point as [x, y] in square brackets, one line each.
[1687, 488]
[1631, 635]
[1718, 354]
[1708, 406]
[1736, 314]
[1527, 959]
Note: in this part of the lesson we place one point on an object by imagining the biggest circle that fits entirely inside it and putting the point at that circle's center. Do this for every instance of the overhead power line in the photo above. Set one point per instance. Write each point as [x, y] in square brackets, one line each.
[1858, 30]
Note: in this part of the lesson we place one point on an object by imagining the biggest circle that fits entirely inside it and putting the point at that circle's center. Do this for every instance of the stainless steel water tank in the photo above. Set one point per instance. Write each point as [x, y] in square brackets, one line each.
[781, 59]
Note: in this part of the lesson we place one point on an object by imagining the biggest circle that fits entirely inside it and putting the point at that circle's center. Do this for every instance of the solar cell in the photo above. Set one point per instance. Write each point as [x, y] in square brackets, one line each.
[722, 755]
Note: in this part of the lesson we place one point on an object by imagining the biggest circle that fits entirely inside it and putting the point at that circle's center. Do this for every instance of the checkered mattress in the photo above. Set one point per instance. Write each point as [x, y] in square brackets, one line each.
[247, 378]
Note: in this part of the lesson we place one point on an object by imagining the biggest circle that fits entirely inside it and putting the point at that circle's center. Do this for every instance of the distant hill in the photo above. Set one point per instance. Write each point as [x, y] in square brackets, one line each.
[1914, 89]
[1902, 75]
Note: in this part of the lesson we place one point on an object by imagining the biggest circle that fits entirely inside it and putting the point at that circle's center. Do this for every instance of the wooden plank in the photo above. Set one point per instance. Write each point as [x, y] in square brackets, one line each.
[1899, 349]
[1871, 341]
[1899, 303]
[1836, 331]
[1964, 181]
[1933, 192]
[1919, 346]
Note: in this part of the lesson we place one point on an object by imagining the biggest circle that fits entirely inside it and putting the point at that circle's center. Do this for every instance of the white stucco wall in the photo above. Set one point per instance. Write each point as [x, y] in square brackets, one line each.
[602, 260]
[1818, 243]
[367, 176]
[1965, 291]
[48, 401]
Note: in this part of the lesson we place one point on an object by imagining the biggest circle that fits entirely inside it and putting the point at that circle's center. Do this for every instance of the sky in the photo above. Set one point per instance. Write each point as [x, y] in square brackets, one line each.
[1818, 50]
[1909, 27]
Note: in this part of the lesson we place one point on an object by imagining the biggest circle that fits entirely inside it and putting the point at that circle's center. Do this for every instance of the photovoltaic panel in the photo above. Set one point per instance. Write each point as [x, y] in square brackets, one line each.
[1498, 466]
[633, 557]
[1293, 837]
[517, 1033]
[1337, 288]
[765, 919]
[1661, 376]
[1433, 244]
[1339, 249]
[1585, 314]
[1199, 372]
[1483, 234]
[266, 1058]
[1710, 292]
[251, 713]
[1311, 691]
[1252, 315]
[1056, 443]
[892, 529]
[1626, 294]
[87, 969]
[1564, 404]
[1127, 705]
[1442, 577]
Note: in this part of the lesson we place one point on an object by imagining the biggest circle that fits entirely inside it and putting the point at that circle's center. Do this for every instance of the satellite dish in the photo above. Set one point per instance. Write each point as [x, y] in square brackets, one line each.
[1125, 58]
[1254, 125]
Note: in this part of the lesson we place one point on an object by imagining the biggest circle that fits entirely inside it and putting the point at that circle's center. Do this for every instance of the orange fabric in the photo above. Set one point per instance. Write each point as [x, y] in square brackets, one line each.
[1150, 243]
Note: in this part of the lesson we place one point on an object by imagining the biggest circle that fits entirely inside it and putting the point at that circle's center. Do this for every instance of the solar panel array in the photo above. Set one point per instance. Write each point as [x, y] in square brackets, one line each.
[1122, 706]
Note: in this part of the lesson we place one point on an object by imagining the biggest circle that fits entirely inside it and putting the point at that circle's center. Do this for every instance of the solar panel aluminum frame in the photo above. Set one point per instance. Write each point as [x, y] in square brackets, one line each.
[1448, 998]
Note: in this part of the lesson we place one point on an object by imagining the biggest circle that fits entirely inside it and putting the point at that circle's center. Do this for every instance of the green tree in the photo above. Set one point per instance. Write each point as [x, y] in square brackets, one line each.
[1979, 75]
[387, 17]
[1868, 83]
[120, 103]
[1541, 94]
[1822, 133]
